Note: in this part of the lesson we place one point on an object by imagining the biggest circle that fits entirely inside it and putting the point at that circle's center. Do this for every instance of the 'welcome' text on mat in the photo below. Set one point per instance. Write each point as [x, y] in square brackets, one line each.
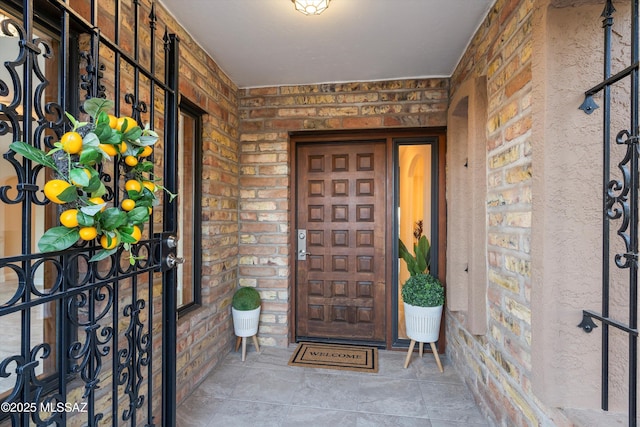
[335, 356]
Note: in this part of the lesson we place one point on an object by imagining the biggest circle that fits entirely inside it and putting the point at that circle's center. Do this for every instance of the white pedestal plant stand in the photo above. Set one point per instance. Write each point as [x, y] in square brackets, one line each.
[423, 325]
[245, 324]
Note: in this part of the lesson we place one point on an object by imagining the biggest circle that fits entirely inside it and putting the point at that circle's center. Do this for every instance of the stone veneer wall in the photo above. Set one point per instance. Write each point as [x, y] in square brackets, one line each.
[267, 115]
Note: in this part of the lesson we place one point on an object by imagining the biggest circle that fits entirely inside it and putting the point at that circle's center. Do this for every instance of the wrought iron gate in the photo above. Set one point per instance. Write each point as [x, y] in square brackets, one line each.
[84, 343]
[620, 206]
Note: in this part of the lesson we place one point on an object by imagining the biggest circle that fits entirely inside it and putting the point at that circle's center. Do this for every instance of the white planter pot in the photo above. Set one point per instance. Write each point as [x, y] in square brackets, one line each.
[423, 323]
[245, 323]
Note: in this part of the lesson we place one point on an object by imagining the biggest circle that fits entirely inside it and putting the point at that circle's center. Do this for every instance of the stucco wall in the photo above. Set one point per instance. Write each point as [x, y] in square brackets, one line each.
[567, 249]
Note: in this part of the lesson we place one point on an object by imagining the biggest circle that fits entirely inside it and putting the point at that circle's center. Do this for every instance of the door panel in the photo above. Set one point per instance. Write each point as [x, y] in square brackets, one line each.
[340, 286]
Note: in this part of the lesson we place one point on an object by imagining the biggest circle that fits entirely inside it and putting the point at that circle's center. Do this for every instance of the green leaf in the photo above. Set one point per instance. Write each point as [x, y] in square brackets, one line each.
[73, 120]
[114, 139]
[144, 202]
[127, 238]
[134, 195]
[90, 140]
[69, 194]
[90, 156]
[79, 177]
[412, 264]
[422, 250]
[138, 215]
[102, 118]
[104, 132]
[102, 254]
[93, 185]
[113, 218]
[145, 140]
[84, 219]
[33, 154]
[102, 190]
[132, 134]
[58, 238]
[145, 166]
[92, 210]
[93, 106]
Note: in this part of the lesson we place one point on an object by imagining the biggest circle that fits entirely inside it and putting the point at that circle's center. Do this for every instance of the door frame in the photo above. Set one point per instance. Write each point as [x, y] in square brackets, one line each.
[388, 135]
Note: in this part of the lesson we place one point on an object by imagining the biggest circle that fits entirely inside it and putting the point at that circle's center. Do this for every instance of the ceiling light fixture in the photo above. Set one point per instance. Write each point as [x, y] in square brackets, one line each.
[311, 7]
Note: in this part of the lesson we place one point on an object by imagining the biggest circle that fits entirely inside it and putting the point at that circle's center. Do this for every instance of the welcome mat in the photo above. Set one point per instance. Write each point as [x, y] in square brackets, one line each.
[335, 356]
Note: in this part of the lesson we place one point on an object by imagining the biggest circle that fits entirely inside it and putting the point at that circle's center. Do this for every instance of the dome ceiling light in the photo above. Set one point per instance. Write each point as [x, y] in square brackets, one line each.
[311, 7]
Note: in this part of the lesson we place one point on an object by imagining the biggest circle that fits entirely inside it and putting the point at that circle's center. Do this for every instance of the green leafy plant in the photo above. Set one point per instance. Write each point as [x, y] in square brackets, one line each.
[77, 186]
[246, 298]
[420, 261]
[423, 290]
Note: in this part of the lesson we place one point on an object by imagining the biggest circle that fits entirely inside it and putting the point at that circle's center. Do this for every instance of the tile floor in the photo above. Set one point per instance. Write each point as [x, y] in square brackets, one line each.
[265, 391]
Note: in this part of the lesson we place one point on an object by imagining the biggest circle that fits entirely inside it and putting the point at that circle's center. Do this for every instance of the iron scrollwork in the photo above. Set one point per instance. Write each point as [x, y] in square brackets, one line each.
[85, 344]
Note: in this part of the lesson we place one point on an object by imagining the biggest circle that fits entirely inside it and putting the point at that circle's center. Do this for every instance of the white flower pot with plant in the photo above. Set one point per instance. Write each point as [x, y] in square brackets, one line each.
[245, 310]
[423, 298]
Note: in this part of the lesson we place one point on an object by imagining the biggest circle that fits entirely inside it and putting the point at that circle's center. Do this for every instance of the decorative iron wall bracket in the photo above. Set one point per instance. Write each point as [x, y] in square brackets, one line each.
[588, 324]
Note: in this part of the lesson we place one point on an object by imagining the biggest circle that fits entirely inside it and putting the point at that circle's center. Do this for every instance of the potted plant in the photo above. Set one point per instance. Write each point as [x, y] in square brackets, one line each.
[423, 298]
[245, 309]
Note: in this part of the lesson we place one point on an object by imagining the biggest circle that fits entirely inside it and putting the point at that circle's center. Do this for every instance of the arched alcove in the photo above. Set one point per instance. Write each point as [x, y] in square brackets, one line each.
[466, 206]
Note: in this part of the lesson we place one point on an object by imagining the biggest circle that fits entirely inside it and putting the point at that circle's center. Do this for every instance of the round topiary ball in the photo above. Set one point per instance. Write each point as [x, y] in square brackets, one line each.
[245, 299]
[423, 290]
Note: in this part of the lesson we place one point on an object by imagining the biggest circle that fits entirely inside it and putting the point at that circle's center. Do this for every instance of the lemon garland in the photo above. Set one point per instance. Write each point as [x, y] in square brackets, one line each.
[79, 189]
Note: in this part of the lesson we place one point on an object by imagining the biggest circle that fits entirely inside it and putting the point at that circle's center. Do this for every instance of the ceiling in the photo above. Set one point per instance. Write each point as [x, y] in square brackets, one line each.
[267, 43]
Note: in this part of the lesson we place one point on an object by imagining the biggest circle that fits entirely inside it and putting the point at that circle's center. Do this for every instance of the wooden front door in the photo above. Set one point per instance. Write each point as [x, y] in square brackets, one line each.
[342, 218]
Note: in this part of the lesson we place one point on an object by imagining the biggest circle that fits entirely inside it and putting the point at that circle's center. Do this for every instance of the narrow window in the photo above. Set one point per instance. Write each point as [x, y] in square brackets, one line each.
[189, 211]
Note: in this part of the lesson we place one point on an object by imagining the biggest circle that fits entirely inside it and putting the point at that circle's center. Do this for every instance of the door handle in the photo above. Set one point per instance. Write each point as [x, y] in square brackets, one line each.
[302, 245]
[171, 260]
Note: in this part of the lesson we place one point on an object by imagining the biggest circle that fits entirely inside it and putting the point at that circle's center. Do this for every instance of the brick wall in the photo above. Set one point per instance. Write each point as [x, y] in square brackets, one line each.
[498, 364]
[205, 335]
[267, 115]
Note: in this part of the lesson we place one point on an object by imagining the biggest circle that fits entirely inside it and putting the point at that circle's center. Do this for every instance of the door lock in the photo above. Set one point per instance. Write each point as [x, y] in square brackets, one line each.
[171, 260]
[172, 242]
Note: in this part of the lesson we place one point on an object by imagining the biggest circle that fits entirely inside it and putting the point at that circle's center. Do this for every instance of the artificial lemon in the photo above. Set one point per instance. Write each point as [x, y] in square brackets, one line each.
[104, 242]
[71, 142]
[123, 147]
[53, 188]
[146, 151]
[136, 233]
[98, 201]
[149, 186]
[131, 161]
[109, 149]
[69, 218]
[128, 122]
[133, 185]
[128, 204]
[88, 233]
[113, 121]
